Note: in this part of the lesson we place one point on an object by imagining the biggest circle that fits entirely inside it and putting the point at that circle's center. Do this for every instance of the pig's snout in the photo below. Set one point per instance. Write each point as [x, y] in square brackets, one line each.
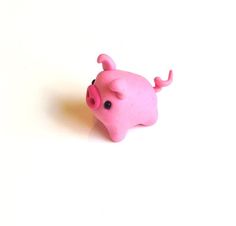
[93, 98]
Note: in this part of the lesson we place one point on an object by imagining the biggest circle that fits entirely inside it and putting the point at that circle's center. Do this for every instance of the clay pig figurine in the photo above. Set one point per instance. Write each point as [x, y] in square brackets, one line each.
[121, 100]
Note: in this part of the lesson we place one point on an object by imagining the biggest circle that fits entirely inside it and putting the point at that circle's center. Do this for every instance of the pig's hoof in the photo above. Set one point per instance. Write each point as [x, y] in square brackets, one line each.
[150, 122]
[117, 138]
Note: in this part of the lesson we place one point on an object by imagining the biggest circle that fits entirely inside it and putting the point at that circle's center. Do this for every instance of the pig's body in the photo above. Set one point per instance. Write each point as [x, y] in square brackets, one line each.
[138, 107]
[132, 98]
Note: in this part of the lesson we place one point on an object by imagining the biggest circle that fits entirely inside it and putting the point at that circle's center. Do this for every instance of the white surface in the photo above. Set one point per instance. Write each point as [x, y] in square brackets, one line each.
[57, 166]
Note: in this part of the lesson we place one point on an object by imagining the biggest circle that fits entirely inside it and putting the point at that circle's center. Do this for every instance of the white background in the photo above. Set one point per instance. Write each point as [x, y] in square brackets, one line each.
[57, 166]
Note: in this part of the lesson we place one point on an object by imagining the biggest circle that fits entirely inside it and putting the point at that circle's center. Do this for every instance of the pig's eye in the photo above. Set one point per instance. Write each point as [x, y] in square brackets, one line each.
[93, 81]
[107, 104]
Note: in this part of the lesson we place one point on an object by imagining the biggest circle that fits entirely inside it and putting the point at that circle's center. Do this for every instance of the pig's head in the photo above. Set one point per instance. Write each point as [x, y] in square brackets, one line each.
[107, 94]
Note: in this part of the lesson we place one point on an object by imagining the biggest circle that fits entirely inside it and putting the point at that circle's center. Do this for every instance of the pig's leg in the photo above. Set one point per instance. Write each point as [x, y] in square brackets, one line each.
[150, 120]
[117, 134]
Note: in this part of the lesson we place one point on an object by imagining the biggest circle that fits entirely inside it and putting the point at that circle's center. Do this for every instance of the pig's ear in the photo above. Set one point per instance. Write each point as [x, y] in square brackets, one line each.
[119, 87]
[107, 63]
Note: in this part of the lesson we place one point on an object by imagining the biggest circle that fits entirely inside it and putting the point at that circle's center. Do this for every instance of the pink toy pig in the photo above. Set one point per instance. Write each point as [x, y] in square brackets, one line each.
[121, 100]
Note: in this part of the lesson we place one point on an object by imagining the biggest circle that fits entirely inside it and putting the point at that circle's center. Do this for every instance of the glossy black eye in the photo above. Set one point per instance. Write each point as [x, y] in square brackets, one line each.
[93, 81]
[107, 105]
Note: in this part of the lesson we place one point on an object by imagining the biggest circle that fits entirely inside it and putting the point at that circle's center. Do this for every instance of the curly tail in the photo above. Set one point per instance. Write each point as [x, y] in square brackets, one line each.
[159, 83]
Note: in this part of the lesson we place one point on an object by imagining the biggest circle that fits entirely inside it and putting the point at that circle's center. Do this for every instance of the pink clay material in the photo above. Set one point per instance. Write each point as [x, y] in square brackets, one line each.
[121, 99]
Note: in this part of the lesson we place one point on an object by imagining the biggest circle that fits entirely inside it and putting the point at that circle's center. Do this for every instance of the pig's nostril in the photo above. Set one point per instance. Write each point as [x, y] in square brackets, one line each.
[92, 101]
